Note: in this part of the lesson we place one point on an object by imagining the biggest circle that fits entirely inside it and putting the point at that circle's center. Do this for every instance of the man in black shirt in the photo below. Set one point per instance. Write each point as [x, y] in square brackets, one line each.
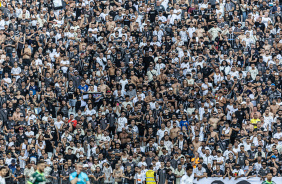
[113, 160]
[235, 126]
[9, 45]
[240, 114]
[242, 155]
[218, 172]
[70, 156]
[153, 13]
[251, 172]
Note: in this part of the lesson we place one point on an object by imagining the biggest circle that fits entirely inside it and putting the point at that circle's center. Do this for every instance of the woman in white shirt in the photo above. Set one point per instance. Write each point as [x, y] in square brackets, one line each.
[225, 67]
[16, 71]
[123, 81]
[216, 77]
[226, 131]
[266, 19]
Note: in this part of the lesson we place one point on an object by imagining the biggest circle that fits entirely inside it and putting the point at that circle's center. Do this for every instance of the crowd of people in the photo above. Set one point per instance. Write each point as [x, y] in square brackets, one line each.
[124, 86]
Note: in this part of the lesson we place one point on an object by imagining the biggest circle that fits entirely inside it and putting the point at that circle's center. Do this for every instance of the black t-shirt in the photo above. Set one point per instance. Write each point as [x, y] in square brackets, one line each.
[113, 162]
[71, 157]
[234, 133]
[170, 178]
[35, 43]
[129, 174]
[20, 138]
[9, 48]
[152, 15]
[260, 25]
[126, 20]
[228, 161]
[241, 158]
[240, 115]
[220, 172]
[251, 173]
[271, 164]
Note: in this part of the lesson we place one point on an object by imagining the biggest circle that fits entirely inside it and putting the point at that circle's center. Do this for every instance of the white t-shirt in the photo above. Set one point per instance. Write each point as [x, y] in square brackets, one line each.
[7, 80]
[187, 179]
[205, 92]
[64, 68]
[8, 161]
[58, 124]
[123, 83]
[268, 121]
[22, 162]
[16, 71]
[200, 172]
[160, 133]
[139, 178]
[121, 123]
[278, 136]
[2, 24]
[29, 134]
[2, 180]
[38, 62]
[90, 112]
[239, 172]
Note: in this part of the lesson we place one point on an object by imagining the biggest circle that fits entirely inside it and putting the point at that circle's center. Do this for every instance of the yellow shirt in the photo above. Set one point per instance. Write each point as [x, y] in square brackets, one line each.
[196, 162]
[255, 122]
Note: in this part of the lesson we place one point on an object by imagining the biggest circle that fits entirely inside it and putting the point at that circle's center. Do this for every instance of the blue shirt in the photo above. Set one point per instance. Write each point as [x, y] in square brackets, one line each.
[13, 168]
[33, 89]
[82, 177]
[84, 88]
[184, 123]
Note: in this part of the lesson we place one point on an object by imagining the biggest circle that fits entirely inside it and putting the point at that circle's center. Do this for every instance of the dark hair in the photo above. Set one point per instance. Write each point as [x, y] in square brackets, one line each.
[40, 162]
[189, 167]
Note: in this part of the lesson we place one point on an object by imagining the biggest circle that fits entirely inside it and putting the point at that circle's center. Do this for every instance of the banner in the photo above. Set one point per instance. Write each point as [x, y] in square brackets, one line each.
[243, 180]
[58, 4]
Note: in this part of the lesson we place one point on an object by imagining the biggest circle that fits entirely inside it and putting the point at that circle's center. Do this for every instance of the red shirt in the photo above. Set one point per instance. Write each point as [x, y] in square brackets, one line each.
[74, 122]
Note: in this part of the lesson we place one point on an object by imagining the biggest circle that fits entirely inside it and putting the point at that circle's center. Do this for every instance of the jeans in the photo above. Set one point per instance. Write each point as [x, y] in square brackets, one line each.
[72, 102]
[9, 54]
[244, 16]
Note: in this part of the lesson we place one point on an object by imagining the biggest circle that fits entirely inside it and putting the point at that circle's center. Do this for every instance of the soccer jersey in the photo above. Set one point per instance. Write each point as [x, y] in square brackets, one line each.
[37, 178]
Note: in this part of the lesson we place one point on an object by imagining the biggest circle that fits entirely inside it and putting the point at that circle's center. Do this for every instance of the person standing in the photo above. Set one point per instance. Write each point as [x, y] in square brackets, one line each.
[79, 177]
[3, 172]
[268, 179]
[150, 176]
[162, 174]
[38, 176]
[188, 178]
